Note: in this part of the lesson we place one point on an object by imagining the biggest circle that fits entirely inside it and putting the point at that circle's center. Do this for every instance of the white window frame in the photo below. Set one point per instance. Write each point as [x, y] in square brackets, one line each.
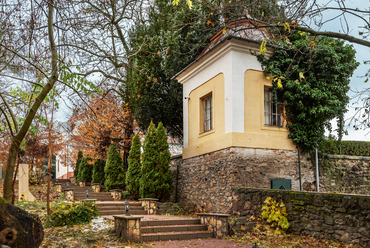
[272, 111]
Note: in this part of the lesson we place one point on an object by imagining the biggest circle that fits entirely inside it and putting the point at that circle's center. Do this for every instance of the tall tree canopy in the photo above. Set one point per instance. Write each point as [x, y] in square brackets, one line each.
[162, 46]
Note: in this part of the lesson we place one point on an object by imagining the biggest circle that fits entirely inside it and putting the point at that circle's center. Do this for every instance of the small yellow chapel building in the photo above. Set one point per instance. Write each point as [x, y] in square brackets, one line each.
[234, 135]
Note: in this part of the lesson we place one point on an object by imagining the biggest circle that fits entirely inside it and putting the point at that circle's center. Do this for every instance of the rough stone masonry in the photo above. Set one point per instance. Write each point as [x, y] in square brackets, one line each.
[208, 180]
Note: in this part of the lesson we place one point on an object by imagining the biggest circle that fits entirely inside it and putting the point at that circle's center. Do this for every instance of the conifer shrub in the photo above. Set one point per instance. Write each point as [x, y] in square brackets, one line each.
[76, 170]
[149, 161]
[98, 172]
[115, 175]
[85, 170]
[163, 182]
[156, 180]
[134, 168]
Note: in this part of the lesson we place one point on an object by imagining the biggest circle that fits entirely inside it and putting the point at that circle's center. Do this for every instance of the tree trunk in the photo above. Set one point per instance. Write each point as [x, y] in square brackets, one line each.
[19, 228]
[12, 157]
[14, 179]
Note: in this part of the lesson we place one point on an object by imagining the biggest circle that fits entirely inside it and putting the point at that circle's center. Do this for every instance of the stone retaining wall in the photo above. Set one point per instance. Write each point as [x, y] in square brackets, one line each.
[207, 180]
[345, 174]
[331, 216]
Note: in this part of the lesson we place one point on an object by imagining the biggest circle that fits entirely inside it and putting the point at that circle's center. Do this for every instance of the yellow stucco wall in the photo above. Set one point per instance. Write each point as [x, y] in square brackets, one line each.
[255, 135]
[198, 140]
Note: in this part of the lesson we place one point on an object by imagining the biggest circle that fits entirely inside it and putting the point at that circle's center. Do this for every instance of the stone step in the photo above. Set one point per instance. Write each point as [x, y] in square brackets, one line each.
[119, 203]
[92, 193]
[97, 198]
[175, 236]
[148, 223]
[119, 207]
[180, 228]
[119, 212]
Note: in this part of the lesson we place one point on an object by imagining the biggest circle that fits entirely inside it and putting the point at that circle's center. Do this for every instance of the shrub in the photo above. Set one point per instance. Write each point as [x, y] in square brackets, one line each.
[163, 177]
[134, 168]
[85, 170]
[156, 181]
[114, 172]
[77, 167]
[350, 148]
[275, 214]
[150, 155]
[63, 214]
[98, 172]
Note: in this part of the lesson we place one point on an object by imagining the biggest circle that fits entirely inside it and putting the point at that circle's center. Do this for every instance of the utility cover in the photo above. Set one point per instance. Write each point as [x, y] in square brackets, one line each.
[285, 184]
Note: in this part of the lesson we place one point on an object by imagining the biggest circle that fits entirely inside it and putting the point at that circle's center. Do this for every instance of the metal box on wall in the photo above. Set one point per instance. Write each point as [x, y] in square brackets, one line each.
[285, 184]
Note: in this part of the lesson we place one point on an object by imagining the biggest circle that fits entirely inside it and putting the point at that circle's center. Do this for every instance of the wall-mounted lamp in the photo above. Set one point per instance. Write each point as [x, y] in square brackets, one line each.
[187, 97]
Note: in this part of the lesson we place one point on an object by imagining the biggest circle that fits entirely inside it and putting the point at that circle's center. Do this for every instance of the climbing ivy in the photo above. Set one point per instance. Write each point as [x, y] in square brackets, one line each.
[310, 77]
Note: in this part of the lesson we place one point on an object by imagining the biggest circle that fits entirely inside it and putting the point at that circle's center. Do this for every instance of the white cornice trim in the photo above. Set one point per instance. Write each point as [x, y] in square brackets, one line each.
[212, 56]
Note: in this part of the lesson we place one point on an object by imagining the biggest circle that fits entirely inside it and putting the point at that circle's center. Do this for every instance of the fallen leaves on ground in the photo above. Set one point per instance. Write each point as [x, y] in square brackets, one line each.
[79, 235]
[287, 241]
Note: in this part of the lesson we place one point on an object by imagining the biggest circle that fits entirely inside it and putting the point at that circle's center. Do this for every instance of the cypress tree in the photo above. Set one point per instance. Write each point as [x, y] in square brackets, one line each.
[76, 170]
[134, 168]
[162, 177]
[114, 173]
[98, 172]
[149, 164]
[85, 170]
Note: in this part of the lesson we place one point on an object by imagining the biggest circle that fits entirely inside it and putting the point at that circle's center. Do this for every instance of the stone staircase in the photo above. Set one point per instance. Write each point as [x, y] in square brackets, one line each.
[117, 208]
[181, 229]
[80, 192]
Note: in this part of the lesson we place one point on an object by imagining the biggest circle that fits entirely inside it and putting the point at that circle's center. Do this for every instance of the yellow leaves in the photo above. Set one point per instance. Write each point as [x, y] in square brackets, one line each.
[332, 43]
[312, 44]
[301, 33]
[301, 76]
[63, 207]
[190, 3]
[175, 2]
[268, 78]
[224, 31]
[263, 48]
[286, 27]
[278, 81]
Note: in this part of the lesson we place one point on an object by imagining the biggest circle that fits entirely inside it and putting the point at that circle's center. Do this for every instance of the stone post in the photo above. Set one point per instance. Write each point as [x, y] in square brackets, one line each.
[149, 204]
[218, 223]
[69, 195]
[73, 180]
[58, 186]
[96, 187]
[24, 192]
[116, 193]
[128, 227]
[82, 183]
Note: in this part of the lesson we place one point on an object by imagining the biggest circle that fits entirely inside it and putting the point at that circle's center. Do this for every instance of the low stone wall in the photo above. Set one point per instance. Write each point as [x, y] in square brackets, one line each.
[331, 216]
[345, 174]
[207, 180]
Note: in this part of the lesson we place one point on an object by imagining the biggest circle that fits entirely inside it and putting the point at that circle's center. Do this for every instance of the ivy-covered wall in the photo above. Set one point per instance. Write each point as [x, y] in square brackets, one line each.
[321, 215]
[345, 174]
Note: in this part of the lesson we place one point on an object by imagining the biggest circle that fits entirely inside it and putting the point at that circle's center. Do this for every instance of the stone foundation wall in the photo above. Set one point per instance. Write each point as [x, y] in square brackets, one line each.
[331, 216]
[207, 180]
[345, 174]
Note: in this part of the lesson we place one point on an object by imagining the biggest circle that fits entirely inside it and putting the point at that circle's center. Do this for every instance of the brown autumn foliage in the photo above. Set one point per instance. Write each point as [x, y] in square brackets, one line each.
[102, 124]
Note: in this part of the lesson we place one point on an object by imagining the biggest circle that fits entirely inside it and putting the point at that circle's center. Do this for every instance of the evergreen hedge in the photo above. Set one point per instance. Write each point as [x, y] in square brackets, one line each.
[150, 155]
[98, 172]
[77, 167]
[156, 180]
[134, 168]
[85, 170]
[114, 172]
[350, 148]
[163, 182]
